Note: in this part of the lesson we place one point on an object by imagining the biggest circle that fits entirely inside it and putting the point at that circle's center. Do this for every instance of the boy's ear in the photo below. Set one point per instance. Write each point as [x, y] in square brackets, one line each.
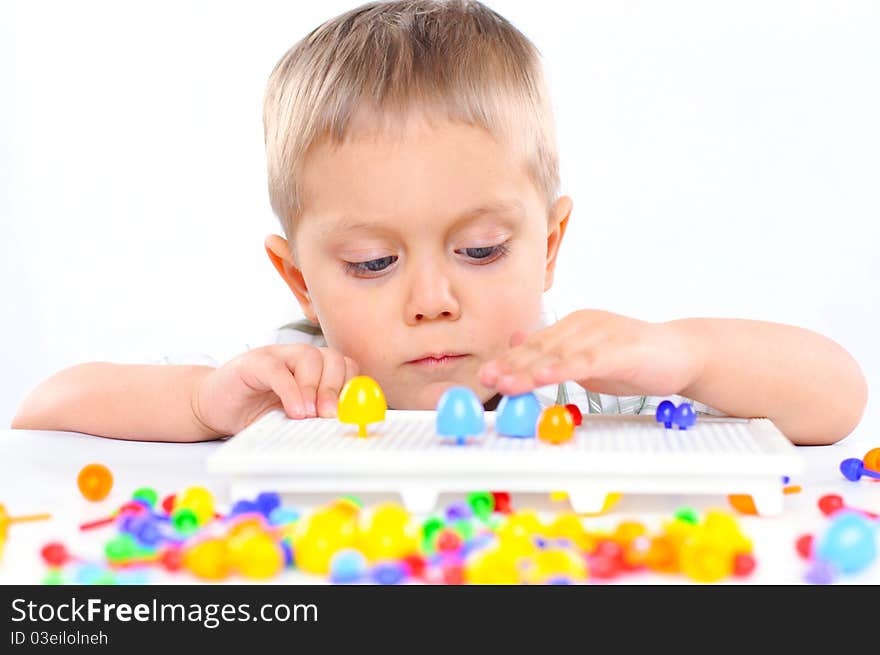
[280, 255]
[558, 222]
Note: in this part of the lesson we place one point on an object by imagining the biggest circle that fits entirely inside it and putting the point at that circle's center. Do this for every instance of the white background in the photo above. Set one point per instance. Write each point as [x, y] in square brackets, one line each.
[723, 158]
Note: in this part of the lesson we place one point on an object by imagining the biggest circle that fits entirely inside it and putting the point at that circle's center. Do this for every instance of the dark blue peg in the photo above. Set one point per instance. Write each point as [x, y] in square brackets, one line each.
[684, 416]
[664, 413]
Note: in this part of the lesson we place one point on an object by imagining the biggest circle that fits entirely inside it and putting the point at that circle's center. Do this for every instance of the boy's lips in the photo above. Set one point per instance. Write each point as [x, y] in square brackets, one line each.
[437, 360]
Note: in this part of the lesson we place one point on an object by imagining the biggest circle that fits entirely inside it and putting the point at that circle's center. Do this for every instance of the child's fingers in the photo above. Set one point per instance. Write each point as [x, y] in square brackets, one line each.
[546, 349]
[589, 363]
[546, 346]
[351, 369]
[275, 376]
[332, 379]
[307, 366]
[492, 370]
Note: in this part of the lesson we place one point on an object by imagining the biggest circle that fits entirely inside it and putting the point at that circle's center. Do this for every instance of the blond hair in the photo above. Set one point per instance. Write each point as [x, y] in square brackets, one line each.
[456, 57]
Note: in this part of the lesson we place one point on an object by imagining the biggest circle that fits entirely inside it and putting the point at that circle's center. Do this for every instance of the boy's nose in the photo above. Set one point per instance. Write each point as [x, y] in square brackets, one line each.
[431, 297]
[419, 317]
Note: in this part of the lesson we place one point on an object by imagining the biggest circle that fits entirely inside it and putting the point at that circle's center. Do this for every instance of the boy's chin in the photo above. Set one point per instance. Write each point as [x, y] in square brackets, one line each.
[429, 396]
[427, 399]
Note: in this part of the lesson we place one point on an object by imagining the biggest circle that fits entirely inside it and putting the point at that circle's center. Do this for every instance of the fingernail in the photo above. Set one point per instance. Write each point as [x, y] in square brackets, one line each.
[298, 411]
[328, 409]
[310, 408]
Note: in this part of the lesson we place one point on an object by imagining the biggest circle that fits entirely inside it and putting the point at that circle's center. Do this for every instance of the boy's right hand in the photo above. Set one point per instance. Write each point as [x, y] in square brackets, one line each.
[303, 380]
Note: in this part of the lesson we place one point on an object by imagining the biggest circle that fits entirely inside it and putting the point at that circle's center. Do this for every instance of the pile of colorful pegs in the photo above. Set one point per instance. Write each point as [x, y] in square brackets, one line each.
[478, 540]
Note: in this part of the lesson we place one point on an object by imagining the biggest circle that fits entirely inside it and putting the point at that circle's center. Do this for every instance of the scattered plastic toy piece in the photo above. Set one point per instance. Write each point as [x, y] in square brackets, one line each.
[131, 507]
[687, 514]
[460, 415]
[501, 502]
[389, 573]
[256, 554]
[576, 415]
[611, 499]
[517, 416]
[745, 504]
[95, 482]
[146, 495]
[55, 554]
[6, 521]
[830, 504]
[348, 566]
[458, 511]
[871, 460]
[361, 402]
[482, 504]
[743, 564]
[555, 425]
[804, 546]
[821, 573]
[853, 469]
[849, 543]
[198, 500]
[742, 503]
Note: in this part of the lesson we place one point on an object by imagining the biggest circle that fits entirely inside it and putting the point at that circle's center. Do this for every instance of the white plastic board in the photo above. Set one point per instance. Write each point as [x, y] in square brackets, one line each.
[609, 453]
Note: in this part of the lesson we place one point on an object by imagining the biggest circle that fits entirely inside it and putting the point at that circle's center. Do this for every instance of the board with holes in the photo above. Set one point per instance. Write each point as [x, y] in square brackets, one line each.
[608, 454]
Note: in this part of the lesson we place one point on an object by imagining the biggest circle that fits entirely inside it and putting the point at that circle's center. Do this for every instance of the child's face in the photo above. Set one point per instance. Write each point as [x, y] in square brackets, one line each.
[430, 242]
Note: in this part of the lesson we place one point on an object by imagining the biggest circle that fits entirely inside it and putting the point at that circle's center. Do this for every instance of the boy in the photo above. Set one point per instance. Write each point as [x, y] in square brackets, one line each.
[412, 164]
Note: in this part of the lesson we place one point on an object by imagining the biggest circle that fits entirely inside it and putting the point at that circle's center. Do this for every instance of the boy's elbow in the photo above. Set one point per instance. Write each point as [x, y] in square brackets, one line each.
[842, 423]
[856, 408]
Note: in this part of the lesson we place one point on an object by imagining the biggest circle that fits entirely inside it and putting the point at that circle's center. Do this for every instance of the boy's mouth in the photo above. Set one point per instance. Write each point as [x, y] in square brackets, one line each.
[437, 360]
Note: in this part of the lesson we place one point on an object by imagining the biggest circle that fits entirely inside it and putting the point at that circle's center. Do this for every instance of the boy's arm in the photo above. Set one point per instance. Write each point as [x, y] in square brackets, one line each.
[808, 385]
[123, 401]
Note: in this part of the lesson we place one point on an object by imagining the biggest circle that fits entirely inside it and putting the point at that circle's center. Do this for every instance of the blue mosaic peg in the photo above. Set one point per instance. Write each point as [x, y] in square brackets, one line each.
[518, 415]
[460, 414]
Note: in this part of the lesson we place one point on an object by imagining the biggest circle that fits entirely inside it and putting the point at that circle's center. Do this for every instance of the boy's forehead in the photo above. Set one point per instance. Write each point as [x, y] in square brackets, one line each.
[452, 172]
[503, 213]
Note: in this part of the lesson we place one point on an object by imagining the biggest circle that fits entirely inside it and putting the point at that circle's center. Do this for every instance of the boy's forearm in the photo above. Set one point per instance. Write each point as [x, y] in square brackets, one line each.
[808, 385]
[123, 401]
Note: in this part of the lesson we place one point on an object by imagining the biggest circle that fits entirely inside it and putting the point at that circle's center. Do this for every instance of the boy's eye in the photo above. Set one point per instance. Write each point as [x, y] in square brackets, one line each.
[487, 252]
[481, 253]
[372, 266]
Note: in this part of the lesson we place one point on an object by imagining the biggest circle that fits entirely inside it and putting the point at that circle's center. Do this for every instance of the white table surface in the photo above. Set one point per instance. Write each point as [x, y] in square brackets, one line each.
[38, 472]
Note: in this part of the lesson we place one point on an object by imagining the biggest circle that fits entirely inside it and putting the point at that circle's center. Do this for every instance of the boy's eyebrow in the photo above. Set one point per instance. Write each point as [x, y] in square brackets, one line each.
[350, 223]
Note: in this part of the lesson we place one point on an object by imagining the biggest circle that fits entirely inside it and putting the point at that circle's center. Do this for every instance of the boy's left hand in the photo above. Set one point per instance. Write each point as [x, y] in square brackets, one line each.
[602, 352]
